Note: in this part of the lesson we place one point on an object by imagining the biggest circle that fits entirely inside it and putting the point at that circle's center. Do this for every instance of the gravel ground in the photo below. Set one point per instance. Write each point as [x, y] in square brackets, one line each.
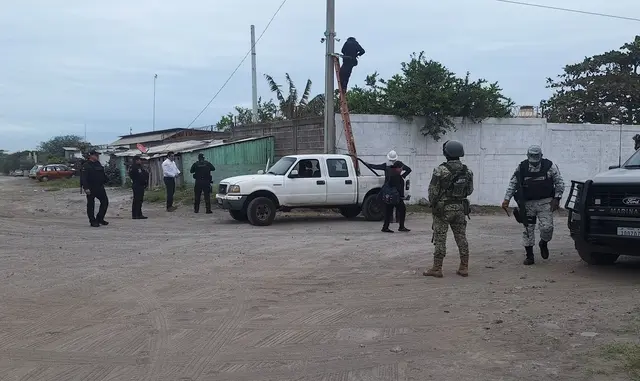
[312, 297]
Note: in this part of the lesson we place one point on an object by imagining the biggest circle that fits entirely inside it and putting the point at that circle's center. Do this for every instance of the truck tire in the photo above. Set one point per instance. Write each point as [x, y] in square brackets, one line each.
[239, 215]
[597, 259]
[372, 208]
[351, 211]
[261, 211]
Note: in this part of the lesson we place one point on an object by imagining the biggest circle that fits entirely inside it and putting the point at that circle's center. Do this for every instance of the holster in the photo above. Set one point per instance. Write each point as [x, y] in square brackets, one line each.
[522, 218]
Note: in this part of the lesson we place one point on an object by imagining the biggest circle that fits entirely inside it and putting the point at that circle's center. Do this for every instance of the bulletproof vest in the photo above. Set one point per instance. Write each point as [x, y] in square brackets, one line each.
[202, 172]
[537, 185]
[458, 181]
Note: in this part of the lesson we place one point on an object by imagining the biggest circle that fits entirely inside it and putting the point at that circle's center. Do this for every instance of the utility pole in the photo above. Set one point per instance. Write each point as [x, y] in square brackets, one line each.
[85, 132]
[254, 75]
[155, 77]
[329, 113]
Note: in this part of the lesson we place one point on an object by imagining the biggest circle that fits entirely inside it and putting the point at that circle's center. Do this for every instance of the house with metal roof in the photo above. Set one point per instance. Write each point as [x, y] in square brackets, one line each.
[171, 135]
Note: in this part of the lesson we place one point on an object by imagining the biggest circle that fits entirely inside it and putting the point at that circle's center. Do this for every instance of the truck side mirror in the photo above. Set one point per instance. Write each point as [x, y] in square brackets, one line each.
[293, 173]
[614, 166]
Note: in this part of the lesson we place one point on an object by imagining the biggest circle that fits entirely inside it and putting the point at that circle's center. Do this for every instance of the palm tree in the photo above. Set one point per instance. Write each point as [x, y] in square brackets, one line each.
[290, 106]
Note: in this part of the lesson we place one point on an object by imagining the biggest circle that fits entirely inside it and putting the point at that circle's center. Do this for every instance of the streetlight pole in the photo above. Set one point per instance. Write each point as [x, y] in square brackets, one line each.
[254, 75]
[155, 77]
[329, 113]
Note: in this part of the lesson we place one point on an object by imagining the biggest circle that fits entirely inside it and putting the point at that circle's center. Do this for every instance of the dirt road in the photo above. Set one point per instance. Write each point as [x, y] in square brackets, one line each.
[201, 297]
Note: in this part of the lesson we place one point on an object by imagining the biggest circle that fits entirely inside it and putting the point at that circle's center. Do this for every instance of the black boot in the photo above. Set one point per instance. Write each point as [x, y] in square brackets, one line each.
[529, 260]
[544, 249]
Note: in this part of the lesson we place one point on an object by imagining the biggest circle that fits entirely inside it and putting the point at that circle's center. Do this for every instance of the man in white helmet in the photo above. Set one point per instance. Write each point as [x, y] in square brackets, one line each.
[395, 172]
[537, 185]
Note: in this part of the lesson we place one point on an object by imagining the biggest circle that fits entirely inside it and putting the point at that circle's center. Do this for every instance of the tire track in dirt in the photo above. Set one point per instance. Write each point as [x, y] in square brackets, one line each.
[159, 345]
[224, 334]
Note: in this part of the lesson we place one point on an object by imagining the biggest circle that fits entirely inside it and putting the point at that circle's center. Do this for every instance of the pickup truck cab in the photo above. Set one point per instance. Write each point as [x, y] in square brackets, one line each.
[604, 213]
[325, 181]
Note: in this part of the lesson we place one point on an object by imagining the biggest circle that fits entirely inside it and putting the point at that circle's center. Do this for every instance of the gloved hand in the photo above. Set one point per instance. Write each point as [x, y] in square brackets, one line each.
[555, 204]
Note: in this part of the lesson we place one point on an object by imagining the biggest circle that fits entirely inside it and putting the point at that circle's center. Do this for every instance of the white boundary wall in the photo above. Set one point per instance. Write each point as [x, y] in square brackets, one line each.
[493, 149]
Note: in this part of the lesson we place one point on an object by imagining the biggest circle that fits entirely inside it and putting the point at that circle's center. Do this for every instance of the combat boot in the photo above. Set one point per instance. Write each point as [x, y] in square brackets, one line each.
[463, 270]
[529, 259]
[436, 270]
[544, 249]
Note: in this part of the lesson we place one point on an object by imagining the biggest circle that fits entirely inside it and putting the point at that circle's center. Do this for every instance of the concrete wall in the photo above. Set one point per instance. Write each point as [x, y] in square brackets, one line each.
[493, 149]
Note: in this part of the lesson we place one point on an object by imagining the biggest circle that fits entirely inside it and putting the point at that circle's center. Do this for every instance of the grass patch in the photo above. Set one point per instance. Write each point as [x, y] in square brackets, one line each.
[627, 355]
[183, 195]
[59, 184]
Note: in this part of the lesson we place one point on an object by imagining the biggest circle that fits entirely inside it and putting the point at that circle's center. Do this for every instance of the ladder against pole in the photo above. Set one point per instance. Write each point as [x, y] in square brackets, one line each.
[346, 120]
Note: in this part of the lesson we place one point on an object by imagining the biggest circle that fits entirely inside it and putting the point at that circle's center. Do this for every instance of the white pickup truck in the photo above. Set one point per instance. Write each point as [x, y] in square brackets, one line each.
[304, 181]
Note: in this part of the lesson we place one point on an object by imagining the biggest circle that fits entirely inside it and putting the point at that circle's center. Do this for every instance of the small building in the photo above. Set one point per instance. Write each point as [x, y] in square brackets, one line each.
[72, 153]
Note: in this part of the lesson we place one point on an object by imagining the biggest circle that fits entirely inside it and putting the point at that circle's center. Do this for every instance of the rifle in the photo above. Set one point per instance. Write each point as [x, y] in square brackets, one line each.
[520, 212]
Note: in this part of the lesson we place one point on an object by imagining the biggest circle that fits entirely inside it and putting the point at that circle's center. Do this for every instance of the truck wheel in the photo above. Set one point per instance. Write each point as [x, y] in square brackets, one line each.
[597, 259]
[351, 211]
[372, 208]
[261, 211]
[238, 215]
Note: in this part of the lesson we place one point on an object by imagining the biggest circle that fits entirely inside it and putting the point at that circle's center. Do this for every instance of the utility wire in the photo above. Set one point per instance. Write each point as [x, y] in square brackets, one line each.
[239, 65]
[570, 10]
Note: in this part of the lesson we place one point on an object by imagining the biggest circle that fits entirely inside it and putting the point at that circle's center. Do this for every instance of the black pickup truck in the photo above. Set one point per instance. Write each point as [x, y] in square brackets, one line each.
[604, 213]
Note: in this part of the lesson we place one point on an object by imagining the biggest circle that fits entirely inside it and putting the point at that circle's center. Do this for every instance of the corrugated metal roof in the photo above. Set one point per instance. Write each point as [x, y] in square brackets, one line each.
[127, 140]
[216, 143]
[162, 150]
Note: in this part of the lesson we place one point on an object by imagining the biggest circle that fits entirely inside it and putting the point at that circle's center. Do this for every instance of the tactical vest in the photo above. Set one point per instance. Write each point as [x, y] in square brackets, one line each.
[203, 172]
[537, 185]
[457, 190]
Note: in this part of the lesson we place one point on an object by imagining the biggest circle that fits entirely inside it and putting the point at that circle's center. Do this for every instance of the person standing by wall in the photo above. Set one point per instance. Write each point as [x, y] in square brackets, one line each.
[451, 184]
[201, 170]
[139, 182]
[92, 181]
[170, 171]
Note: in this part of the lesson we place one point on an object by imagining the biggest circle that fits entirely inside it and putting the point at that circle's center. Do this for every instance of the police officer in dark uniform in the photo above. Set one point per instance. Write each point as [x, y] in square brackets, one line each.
[139, 182]
[201, 170]
[92, 179]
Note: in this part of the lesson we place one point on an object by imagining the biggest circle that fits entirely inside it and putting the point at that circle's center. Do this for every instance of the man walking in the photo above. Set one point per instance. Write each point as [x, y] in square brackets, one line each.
[451, 184]
[537, 185]
[92, 181]
[201, 170]
[139, 182]
[170, 171]
[351, 50]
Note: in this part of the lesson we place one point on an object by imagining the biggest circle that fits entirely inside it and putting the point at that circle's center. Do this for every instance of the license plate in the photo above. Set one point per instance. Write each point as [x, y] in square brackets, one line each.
[629, 232]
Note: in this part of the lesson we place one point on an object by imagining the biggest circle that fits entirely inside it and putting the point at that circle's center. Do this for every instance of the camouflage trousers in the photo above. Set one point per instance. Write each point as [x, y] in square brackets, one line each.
[541, 209]
[453, 216]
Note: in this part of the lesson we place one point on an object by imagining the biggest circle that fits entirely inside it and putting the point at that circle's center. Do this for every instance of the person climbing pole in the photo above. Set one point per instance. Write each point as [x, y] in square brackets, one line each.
[351, 50]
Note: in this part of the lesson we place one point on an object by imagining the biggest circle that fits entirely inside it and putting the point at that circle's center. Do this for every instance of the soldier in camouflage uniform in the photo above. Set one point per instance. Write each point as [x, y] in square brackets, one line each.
[542, 187]
[451, 184]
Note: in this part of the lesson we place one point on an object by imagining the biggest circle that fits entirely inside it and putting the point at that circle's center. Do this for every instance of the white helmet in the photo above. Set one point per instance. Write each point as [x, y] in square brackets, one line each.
[392, 156]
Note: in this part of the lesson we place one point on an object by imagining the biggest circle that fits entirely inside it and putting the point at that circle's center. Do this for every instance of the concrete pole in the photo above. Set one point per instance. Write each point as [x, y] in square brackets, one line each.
[254, 75]
[155, 77]
[329, 113]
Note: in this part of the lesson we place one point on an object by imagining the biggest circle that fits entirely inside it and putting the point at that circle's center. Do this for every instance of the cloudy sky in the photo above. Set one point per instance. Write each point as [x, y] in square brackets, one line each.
[67, 63]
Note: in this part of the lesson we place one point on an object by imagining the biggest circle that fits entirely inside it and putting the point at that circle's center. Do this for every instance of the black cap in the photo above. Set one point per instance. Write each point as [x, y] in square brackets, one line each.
[93, 153]
[200, 156]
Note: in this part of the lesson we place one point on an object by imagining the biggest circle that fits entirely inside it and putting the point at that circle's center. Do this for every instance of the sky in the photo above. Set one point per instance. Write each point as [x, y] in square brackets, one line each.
[69, 64]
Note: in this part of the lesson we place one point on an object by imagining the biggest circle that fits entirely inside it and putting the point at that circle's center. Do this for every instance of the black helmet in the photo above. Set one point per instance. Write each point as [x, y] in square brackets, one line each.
[453, 148]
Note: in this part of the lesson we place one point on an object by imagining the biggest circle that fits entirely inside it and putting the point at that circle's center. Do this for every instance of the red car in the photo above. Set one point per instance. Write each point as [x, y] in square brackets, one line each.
[54, 171]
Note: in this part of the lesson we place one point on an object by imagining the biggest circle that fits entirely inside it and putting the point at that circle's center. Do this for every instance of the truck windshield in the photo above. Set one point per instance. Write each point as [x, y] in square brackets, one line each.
[633, 162]
[281, 166]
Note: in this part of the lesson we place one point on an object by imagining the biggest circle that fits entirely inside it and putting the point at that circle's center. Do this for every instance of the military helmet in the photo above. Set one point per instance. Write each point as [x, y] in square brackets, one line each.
[453, 148]
[534, 154]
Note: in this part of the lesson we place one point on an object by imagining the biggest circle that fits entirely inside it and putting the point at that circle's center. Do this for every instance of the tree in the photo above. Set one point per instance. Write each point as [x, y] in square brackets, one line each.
[291, 107]
[267, 112]
[427, 89]
[604, 88]
[54, 147]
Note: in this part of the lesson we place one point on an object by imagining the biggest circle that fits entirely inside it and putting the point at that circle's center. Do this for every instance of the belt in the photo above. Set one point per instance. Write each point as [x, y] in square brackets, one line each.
[453, 202]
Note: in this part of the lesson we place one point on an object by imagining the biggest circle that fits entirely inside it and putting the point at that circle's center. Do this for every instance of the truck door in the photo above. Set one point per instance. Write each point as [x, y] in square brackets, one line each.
[341, 182]
[309, 186]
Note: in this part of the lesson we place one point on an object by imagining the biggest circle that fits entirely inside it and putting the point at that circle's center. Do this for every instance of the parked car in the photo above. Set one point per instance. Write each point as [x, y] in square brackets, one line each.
[18, 173]
[34, 171]
[54, 171]
[304, 181]
[604, 213]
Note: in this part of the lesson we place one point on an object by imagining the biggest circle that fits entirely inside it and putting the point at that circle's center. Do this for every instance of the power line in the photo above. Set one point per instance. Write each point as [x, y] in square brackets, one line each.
[570, 10]
[239, 65]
